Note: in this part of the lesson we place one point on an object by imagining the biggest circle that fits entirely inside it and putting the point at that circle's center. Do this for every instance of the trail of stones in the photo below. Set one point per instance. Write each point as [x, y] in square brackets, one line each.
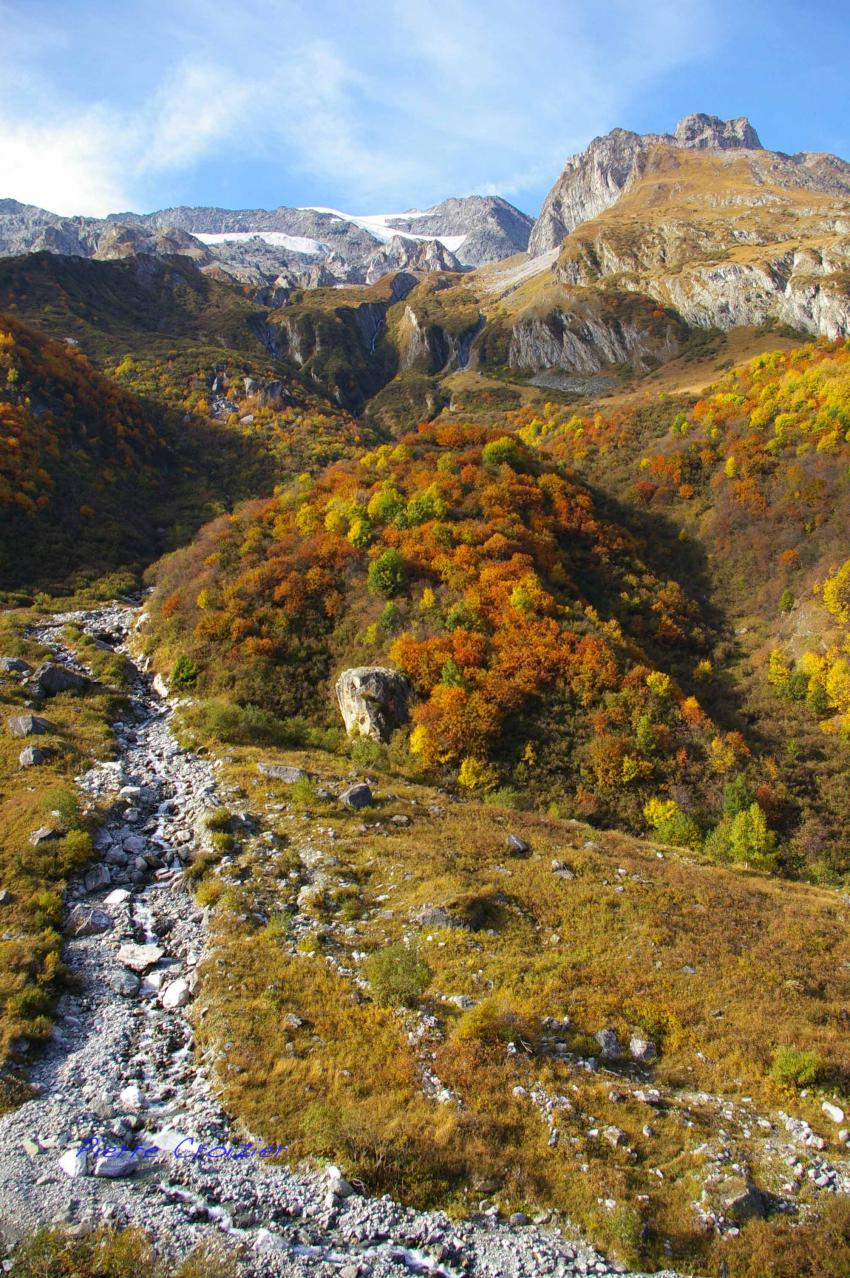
[120, 1065]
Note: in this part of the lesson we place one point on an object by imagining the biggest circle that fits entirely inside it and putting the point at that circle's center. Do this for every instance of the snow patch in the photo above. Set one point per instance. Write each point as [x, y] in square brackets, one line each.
[277, 239]
[380, 225]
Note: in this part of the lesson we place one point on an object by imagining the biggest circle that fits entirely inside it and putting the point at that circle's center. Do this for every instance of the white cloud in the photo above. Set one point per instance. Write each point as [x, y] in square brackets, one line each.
[70, 167]
[372, 105]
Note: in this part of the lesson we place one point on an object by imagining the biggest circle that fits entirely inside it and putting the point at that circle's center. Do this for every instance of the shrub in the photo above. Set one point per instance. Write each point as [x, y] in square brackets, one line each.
[492, 1022]
[744, 839]
[794, 1068]
[218, 819]
[185, 673]
[503, 451]
[386, 574]
[62, 803]
[397, 976]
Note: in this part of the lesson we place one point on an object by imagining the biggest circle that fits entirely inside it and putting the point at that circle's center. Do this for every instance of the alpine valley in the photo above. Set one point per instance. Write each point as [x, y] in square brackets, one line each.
[425, 674]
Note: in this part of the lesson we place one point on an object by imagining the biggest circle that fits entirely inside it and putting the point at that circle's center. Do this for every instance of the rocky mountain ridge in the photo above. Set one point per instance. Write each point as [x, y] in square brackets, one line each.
[283, 247]
[597, 177]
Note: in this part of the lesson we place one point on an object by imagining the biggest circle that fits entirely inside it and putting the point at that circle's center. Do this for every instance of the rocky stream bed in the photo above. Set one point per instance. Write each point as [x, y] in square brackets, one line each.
[120, 1068]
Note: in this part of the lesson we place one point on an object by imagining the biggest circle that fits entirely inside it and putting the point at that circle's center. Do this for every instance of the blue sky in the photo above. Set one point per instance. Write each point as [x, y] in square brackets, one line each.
[379, 105]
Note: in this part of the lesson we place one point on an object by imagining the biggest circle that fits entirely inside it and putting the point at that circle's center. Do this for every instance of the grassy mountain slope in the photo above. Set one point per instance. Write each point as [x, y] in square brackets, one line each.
[526, 959]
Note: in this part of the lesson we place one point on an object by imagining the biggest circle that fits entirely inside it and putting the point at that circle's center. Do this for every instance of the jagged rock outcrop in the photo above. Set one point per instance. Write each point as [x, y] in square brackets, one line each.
[373, 700]
[597, 178]
[725, 238]
[492, 228]
[423, 256]
[584, 330]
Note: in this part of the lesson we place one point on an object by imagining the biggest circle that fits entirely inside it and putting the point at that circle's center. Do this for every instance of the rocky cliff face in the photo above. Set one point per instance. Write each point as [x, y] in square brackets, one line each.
[726, 238]
[596, 179]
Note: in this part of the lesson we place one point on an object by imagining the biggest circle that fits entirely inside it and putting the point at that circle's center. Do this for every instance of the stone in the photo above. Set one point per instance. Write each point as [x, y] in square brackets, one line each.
[83, 921]
[117, 897]
[51, 678]
[176, 994]
[96, 878]
[518, 1218]
[159, 686]
[123, 1163]
[31, 1147]
[131, 1097]
[737, 1199]
[833, 1111]
[609, 1044]
[74, 1163]
[614, 1136]
[43, 833]
[32, 756]
[357, 796]
[125, 983]
[27, 725]
[517, 846]
[436, 917]
[642, 1049]
[336, 1183]
[14, 665]
[282, 772]
[139, 957]
[6, 898]
[373, 701]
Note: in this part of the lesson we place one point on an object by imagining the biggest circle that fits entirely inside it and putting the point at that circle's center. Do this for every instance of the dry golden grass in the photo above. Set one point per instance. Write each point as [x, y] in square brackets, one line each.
[612, 947]
[30, 798]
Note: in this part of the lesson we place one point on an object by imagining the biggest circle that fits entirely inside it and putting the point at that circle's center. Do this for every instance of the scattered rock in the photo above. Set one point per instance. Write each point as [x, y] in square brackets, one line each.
[131, 1097]
[74, 1163]
[6, 897]
[614, 1136]
[282, 772]
[609, 1044]
[43, 833]
[737, 1199]
[159, 686]
[83, 921]
[139, 957]
[373, 701]
[517, 846]
[117, 897]
[833, 1112]
[96, 878]
[51, 678]
[125, 983]
[357, 796]
[336, 1183]
[176, 994]
[27, 725]
[14, 665]
[642, 1049]
[32, 756]
[123, 1163]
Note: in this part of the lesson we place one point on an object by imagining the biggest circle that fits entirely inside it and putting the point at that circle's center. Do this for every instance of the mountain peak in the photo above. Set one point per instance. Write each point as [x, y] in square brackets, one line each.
[702, 131]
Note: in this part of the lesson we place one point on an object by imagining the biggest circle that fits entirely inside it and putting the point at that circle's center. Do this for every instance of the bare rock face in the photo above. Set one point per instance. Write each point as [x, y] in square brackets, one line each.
[701, 130]
[595, 179]
[372, 700]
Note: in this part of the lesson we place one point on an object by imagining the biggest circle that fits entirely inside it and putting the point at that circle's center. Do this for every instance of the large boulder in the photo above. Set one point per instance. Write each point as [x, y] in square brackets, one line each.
[14, 665]
[27, 725]
[373, 700]
[51, 678]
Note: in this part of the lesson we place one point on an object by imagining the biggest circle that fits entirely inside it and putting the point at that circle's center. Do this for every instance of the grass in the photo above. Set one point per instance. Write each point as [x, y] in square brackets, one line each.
[30, 967]
[720, 968]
